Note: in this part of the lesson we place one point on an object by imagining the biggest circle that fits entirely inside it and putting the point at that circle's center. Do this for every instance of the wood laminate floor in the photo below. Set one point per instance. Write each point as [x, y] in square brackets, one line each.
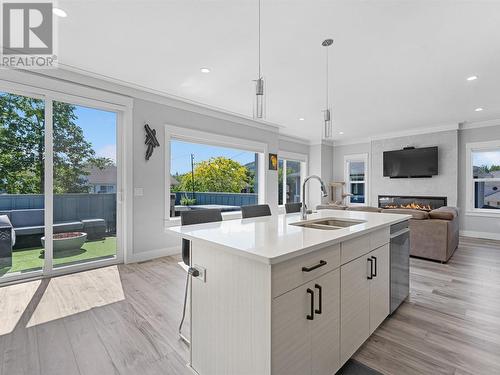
[123, 320]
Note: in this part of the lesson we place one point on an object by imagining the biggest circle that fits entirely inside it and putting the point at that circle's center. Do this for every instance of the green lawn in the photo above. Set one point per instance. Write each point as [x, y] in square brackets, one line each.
[30, 259]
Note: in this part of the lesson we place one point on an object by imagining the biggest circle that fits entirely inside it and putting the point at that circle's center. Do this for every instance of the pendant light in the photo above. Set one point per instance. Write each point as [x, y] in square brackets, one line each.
[327, 115]
[258, 112]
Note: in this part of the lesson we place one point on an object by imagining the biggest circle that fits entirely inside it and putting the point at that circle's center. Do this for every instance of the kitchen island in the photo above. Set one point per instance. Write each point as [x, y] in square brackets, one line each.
[278, 295]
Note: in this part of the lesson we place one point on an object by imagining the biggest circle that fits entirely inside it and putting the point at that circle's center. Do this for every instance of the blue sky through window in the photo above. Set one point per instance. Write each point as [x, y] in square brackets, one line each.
[181, 155]
[488, 158]
[99, 128]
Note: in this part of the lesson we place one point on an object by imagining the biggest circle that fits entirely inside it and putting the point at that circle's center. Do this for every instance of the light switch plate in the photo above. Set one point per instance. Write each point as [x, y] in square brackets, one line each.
[203, 273]
[138, 192]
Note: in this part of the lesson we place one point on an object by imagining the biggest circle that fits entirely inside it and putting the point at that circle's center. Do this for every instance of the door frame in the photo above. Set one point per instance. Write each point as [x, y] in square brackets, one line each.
[98, 99]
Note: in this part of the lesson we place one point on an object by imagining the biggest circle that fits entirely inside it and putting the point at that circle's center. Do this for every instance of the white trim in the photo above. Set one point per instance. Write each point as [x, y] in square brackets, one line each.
[48, 193]
[153, 254]
[469, 180]
[397, 134]
[212, 139]
[365, 158]
[289, 138]
[303, 159]
[479, 124]
[475, 234]
[293, 156]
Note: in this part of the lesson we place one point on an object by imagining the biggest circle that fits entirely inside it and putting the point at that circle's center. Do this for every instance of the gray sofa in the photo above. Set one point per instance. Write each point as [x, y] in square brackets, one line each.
[433, 235]
[29, 226]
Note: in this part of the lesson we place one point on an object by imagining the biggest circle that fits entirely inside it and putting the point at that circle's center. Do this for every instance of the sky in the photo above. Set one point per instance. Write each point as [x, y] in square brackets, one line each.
[99, 128]
[181, 155]
[488, 158]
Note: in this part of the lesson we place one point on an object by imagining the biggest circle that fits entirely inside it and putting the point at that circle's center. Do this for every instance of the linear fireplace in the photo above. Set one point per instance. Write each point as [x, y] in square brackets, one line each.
[418, 203]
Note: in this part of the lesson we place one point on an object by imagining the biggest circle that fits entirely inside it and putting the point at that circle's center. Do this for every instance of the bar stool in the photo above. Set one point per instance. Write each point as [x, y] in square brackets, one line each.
[255, 211]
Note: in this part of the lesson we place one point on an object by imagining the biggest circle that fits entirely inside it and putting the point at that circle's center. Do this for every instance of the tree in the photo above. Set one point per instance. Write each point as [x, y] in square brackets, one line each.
[22, 133]
[218, 174]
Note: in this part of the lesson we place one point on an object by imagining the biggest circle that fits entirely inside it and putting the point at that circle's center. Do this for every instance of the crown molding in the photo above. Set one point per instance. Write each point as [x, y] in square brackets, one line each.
[288, 138]
[479, 124]
[90, 79]
[397, 134]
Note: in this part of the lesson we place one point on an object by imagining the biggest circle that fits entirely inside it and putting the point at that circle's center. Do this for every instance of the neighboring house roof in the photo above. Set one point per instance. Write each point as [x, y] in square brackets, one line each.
[493, 199]
[106, 176]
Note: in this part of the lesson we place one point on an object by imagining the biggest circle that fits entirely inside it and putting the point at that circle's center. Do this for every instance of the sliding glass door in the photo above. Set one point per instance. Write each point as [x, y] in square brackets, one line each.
[85, 184]
[59, 184]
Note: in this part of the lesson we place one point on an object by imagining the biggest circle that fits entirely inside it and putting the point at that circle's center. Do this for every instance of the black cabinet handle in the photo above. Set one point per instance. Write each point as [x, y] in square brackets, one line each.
[311, 315]
[320, 290]
[312, 268]
[370, 260]
[375, 272]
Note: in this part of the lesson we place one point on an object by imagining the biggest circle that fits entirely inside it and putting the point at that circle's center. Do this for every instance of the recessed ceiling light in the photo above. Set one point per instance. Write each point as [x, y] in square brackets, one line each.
[341, 133]
[59, 12]
[479, 109]
[471, 78]
[205, 70]
[301, 118]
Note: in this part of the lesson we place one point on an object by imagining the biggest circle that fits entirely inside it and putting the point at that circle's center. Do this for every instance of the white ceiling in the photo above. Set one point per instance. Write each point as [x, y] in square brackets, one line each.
[395, 65]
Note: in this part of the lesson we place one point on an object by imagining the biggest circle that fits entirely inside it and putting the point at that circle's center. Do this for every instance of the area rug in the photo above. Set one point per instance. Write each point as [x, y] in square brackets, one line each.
[353, 367]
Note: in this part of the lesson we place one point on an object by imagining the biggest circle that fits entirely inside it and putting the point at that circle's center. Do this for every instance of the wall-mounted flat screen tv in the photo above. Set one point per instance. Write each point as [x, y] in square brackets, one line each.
[411, 162]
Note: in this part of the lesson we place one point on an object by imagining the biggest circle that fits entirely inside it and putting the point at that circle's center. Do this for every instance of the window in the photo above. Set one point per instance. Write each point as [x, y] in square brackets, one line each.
[290, 176]
[355, 176]
[483, 185]
[217, 173]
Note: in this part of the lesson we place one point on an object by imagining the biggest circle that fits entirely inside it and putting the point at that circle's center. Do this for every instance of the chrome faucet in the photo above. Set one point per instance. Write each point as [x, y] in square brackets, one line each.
[324, 193]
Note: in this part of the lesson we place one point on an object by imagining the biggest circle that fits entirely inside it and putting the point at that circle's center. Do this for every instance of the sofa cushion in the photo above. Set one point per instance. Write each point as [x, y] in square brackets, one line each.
[416, 214]
[444, 213]
[364, 209]
[27, 231]
[330, 207]
[27, 218]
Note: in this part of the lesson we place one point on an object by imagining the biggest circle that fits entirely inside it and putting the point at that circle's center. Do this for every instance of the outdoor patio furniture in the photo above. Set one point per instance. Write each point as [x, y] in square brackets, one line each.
[95, 228]
[255, 211]
[7, 239]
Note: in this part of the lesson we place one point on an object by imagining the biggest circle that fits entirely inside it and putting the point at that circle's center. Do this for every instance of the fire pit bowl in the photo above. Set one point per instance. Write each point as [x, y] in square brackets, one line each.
[67, 241]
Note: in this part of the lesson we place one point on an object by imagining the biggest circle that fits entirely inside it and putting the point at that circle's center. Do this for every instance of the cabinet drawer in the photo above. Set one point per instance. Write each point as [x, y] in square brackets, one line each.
[379, 238]
[356, 247]
[289, 275]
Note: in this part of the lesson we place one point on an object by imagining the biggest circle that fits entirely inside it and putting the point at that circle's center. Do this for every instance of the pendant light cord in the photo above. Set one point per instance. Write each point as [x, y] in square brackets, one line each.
[326, 78]
[260, 75]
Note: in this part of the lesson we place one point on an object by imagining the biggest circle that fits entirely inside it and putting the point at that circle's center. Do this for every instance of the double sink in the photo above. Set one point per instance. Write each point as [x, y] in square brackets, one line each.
[328, 223]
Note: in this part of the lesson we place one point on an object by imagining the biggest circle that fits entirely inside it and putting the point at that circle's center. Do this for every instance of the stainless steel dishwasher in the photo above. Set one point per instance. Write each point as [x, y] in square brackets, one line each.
[400, 264]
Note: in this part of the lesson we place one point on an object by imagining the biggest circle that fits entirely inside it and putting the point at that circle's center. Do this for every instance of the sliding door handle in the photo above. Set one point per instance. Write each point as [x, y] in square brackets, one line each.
[369, 277]
[319, 310]
[311, 315]
[375, 272]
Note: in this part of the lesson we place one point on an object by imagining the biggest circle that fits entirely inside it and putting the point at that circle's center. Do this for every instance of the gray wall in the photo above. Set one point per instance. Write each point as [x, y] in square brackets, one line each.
[450, 182]
[475, 225]
[320, 164]
[444, 184]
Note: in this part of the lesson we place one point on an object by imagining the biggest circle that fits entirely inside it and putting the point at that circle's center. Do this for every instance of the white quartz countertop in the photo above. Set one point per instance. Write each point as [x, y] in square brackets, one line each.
[271, 239]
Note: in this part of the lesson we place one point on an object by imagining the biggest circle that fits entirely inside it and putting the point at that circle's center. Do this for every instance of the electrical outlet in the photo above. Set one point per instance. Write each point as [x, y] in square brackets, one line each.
[203, 273]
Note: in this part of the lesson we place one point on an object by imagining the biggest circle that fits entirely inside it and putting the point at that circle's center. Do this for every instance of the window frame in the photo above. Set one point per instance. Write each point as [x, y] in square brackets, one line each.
[347, 161]
[296, 157]
[96, 99]
[470, 180]
[173, 132]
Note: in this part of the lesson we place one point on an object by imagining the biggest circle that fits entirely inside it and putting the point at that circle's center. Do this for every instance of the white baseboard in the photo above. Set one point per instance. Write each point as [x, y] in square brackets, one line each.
[153, 254]
[486, 235]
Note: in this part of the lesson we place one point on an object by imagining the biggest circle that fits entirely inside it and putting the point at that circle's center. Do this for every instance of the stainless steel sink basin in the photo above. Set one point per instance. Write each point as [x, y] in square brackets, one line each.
[328, 223]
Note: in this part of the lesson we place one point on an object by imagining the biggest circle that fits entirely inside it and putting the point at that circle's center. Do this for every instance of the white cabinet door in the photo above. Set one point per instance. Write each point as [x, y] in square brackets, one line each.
[379, 287]
[355, 306]
[291, 333]
[325, 330]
